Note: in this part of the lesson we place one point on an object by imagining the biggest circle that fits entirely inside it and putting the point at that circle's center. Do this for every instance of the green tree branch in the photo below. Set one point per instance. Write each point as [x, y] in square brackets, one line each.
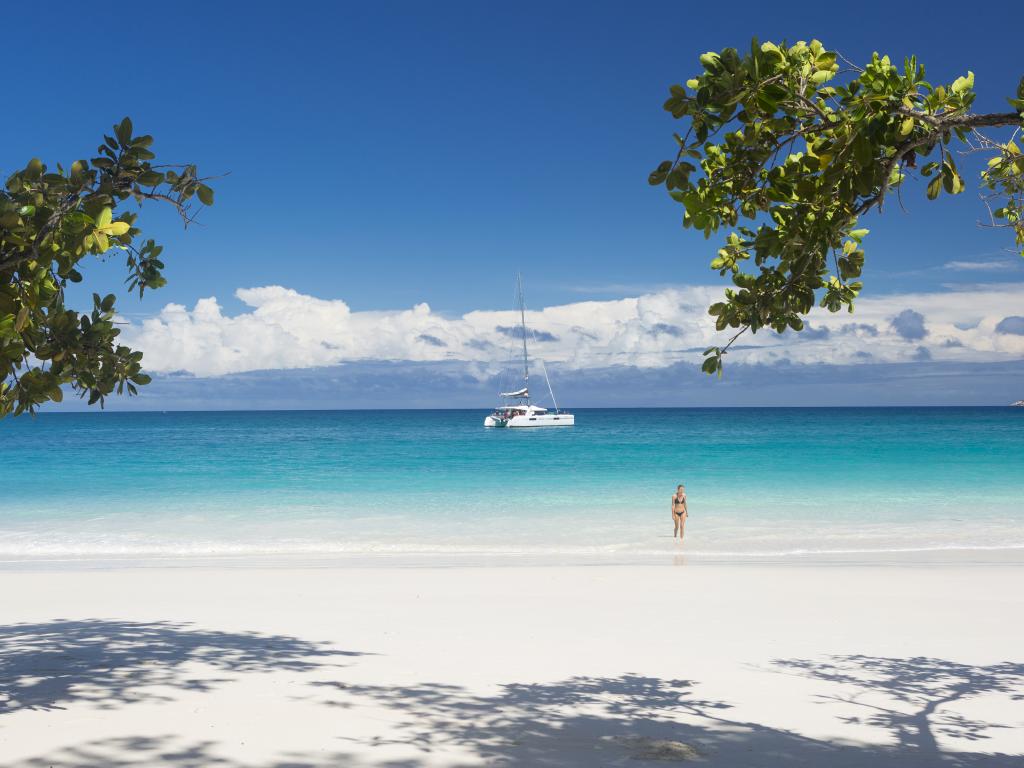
[50, 222]
[784, 140]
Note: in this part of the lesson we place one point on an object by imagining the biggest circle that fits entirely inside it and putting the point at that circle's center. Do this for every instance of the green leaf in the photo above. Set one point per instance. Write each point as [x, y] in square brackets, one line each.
[709, 60]
[205, 194]
[150, 178]
[962, 84]
[825, 60]
[123, 131]
[934, 187]
[951, 181]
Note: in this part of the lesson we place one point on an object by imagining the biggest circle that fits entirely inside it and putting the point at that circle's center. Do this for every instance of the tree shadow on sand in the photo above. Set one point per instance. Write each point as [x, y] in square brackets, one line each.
[587, 721]
[113, 663]
[628, 720]
[133, 751]
[910, 699]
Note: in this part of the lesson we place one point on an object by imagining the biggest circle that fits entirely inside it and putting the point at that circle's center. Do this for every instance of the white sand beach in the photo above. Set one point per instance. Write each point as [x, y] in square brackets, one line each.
[717, 665]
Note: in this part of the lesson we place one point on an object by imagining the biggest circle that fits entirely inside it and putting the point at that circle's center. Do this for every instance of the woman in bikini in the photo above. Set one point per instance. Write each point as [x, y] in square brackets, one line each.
[679, 513]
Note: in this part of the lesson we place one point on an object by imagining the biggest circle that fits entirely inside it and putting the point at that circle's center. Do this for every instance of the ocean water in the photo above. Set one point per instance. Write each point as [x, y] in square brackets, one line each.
[436, 487]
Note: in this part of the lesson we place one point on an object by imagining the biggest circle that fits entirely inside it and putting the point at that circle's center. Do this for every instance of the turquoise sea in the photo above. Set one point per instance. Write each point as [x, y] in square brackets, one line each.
[435, 486]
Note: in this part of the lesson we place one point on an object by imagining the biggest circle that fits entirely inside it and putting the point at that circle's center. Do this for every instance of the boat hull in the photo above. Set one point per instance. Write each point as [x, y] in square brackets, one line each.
[534, 421]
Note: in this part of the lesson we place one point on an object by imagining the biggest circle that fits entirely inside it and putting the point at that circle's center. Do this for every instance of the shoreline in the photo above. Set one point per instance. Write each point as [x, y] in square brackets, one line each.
[1011, 555]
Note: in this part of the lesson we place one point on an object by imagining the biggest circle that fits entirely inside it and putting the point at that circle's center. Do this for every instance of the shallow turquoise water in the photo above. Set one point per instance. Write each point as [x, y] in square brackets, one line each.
[761, 482]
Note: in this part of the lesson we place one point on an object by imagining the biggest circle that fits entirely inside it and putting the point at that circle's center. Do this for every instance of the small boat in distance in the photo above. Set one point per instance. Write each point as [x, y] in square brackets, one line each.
[517, 410]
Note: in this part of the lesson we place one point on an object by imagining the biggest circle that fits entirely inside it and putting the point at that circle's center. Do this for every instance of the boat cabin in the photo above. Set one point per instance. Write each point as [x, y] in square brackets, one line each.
[509, 411]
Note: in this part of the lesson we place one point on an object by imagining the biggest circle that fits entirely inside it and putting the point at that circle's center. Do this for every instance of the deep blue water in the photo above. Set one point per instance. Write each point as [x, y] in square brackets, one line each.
[759, 482]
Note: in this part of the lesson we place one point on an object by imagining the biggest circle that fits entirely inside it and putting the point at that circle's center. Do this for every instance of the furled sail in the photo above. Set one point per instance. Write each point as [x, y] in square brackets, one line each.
[524, 392]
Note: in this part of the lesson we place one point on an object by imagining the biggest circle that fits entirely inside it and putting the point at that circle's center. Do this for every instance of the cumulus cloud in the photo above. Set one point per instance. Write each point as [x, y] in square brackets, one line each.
[909, 325]
[284, 329]
[967, 325]
[858, 329]
[1013, 324]
[813, 333]
[667, 329]
[516, 332]
[426, 338]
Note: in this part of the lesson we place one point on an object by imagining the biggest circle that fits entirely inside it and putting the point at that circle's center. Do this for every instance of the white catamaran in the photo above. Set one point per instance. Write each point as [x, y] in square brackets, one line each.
[517, 410]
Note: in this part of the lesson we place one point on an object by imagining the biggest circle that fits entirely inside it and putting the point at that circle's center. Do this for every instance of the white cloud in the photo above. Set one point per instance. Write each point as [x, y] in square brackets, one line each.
[285, 329]
[1001, 265]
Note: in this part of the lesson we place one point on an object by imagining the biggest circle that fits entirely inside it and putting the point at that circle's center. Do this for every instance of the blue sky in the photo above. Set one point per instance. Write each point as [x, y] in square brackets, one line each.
[398, 153]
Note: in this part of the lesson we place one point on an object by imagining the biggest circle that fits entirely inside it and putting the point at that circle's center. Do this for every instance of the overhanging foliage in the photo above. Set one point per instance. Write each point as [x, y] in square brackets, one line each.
[52, 220]
[797, 144]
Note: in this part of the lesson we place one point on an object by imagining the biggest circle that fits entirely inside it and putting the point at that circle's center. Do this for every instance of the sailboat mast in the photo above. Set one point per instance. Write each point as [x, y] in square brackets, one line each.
[522, 318]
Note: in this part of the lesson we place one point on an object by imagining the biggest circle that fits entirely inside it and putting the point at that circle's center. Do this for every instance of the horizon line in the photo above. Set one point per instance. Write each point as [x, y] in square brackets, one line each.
[100, 411]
